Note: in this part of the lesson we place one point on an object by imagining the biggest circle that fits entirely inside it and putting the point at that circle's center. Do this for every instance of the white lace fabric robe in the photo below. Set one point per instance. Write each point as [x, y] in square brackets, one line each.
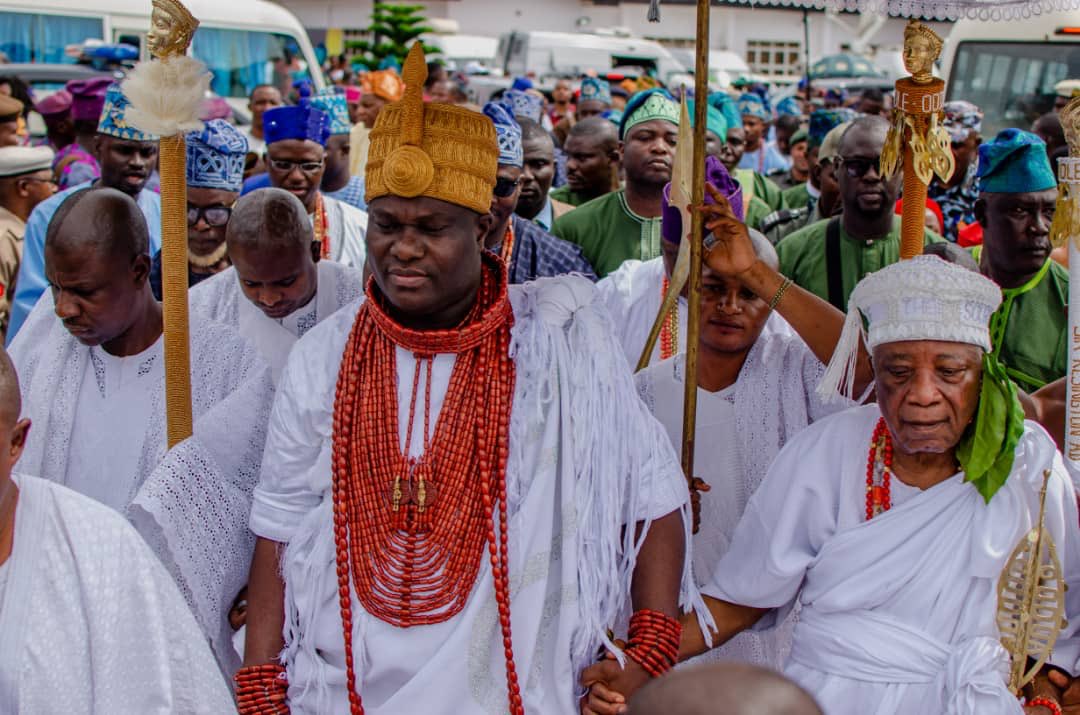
[221, 298]
[897, 613]
[190, 503]
[90, 621]
[347, 227]
[740, 430]
[585, 458]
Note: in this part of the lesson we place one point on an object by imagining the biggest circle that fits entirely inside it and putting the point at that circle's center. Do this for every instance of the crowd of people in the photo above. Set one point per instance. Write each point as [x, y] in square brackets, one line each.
[424, 476]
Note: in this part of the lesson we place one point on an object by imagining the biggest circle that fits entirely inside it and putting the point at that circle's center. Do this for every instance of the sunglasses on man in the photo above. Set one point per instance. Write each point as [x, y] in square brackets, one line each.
[505, 187]
[215, 216]
[857, 167]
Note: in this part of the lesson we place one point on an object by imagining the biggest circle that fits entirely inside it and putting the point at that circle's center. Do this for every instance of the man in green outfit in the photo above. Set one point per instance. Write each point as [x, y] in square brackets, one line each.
[829, 257]
[761, 196]
[592, 162]
[826, 128]
[793, 181]
[625, 224]
[716, 128]
[1018, 191]
[822, 122]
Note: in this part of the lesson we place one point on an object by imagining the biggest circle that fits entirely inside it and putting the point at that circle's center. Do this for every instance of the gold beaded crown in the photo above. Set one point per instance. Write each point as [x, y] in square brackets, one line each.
[434, 150]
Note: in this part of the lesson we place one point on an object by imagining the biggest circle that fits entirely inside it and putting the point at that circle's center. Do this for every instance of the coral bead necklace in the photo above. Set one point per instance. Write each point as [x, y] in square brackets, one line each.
[321, 236]
[669, 332]
[410, 532]
[879, 471]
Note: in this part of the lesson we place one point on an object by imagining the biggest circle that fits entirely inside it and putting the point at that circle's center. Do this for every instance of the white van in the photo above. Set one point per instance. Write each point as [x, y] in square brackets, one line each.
[551, 54]
[464, 52]
[243, 42]
[1009, 69]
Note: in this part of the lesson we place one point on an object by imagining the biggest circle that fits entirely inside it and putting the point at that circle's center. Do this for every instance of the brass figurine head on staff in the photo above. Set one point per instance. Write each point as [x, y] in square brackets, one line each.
[171, 28]
[1070, 125]
[922, 46]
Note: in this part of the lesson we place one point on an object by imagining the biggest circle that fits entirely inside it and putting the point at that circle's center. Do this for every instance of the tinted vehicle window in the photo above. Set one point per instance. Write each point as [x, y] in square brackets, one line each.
[26, 37]
[1013, 82]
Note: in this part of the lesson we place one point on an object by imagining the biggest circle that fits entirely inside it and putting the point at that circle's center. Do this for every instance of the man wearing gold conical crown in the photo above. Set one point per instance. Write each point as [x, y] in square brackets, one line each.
[462, 491]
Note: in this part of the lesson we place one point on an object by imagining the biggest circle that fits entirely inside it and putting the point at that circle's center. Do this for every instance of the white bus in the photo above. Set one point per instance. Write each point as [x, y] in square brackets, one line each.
[243, 42]
[1009, 69]
[554, 54]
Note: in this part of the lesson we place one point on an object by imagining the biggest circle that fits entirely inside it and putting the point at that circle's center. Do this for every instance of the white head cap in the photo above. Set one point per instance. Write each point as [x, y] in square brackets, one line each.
[924, 298]
[18, 160]
[1067, 87]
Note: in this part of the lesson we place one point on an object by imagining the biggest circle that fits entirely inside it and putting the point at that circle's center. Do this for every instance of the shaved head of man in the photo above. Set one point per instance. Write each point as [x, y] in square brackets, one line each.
[97, 264]
[273, 248]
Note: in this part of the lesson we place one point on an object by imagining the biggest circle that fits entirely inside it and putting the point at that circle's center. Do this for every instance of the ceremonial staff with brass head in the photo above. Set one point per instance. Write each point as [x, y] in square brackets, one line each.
[917, 141]
[166, 94]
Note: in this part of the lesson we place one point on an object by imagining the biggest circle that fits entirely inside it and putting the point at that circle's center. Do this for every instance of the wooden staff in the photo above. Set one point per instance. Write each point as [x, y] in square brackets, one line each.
[172, 156]
[693, 294]
[166, 94]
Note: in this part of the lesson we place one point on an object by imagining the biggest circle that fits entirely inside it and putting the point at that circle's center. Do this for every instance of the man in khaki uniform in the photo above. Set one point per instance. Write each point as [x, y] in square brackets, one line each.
[26, 180]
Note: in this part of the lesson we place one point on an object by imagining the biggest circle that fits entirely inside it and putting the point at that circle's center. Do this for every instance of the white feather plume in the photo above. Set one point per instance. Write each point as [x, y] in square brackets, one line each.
[166, 95]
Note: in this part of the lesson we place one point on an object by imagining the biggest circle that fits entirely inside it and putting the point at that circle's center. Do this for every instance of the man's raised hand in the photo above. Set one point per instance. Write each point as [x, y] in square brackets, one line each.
[728, 250]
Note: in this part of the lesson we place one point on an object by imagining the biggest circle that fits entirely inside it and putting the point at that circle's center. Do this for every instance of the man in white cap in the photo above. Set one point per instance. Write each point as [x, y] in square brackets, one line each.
[25, 181]
[891, 523]
[1065, 90]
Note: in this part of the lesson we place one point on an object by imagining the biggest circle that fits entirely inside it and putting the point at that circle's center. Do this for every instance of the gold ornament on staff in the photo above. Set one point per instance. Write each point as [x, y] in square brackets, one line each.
[1031, 600]
[1066, 223]
[166, 95]
[916, 139]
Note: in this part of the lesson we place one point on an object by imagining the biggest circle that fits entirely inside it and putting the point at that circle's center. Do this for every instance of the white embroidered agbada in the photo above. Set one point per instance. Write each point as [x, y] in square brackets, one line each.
[633, 295]
[99, 425]
[585, 458]
[346, 227]
[220, 298]
[90, 621]
[740, 430]
[897, 613]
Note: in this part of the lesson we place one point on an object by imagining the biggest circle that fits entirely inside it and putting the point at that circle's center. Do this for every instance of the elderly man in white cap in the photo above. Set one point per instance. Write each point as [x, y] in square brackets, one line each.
[891, 523]
[26, 180]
